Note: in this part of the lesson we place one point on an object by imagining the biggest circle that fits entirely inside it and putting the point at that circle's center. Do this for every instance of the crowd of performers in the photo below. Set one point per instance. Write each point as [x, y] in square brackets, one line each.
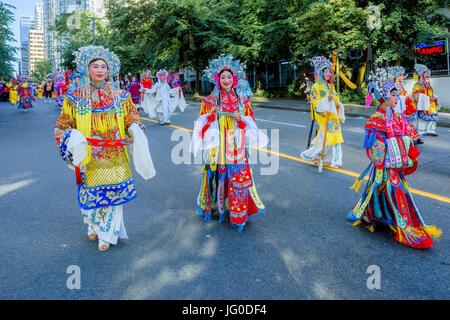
[100, 117]
[391, 136]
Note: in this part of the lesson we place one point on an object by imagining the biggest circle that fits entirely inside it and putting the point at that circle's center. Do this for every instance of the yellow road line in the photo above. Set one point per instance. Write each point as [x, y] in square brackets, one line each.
[346, 172]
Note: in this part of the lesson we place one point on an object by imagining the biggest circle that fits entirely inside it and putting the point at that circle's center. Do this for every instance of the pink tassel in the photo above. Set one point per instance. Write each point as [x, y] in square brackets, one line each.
[368, 99]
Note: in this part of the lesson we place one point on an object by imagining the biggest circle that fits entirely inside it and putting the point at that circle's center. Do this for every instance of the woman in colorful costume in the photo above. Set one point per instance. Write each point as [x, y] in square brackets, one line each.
[243, 87]
[25, 94]
[67, 82]
[161, 98]
[387, 198]
[135, 91]
[405, 107]
[226, 129]
[426, 102]
[146, 85]
[322, 103]
[95, 125]
[75, 79]
[178, 100]
[60, 82]
[40, 89]
[14, 92]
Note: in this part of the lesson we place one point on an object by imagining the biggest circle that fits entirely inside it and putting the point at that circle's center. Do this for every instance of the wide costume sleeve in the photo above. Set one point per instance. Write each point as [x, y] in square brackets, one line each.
[254, 137]
[206, 128]
[142, 159]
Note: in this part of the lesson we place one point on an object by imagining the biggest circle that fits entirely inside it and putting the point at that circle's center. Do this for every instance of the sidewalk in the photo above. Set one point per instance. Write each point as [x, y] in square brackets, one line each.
[351, 110]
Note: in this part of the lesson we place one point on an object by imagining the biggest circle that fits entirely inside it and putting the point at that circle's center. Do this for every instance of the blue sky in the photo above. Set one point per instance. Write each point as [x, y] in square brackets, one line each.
[23, 8]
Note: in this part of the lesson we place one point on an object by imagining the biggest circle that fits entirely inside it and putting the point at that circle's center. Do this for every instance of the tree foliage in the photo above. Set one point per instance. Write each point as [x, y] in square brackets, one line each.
[187, 33]
[7, 51]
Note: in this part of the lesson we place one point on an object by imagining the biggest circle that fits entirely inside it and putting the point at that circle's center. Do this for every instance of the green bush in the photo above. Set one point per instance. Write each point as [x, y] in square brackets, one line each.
[357, 96]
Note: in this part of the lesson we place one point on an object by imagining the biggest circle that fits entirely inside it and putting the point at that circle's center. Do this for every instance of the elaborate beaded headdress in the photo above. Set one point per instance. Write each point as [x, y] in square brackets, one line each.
[394, 72]
[58, 76]
[76, 74]
[221, 63]
[23, 77]
[162, 73]
[86, 55]
[421, 68]
[380, 84]
[320, 63]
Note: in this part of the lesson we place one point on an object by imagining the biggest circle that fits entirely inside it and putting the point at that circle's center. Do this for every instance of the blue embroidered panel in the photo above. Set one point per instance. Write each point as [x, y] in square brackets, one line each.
[430, 117]
[63, 152]
[105, 195]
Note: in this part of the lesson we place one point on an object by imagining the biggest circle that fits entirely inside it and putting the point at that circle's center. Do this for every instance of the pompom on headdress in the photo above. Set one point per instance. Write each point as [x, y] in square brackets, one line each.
[320, 63]
[222, 63]
[380, 85]
[85, 55]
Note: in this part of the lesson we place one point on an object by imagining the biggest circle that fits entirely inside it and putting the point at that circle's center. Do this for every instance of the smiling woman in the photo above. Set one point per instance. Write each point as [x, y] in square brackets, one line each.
[97, 121]
[387, 198]
[226, 128]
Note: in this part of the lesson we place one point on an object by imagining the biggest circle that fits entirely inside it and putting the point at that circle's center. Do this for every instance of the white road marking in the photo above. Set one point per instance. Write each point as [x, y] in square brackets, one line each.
[285, 123]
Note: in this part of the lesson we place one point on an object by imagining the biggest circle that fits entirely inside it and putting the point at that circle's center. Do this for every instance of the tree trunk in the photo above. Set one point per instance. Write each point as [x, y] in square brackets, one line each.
[197, 76]
[362, 69]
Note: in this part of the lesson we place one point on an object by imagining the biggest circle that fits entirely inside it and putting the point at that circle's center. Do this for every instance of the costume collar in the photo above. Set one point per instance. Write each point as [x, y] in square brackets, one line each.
[101, 86]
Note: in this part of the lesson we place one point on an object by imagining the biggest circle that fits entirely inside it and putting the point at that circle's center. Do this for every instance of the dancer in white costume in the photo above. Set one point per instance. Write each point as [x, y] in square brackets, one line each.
[161, 99]
[178, 100]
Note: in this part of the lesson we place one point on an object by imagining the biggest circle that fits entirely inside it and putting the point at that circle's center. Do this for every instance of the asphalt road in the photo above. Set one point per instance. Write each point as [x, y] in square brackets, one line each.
[302, 248]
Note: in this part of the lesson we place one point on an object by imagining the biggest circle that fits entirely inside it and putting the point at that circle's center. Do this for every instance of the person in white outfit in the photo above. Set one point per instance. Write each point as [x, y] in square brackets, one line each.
[162, 99]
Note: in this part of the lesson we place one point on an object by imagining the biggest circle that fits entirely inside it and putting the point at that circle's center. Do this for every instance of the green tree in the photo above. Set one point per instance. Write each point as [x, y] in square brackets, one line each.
[74, 31]
[43, 68]
[7, 52]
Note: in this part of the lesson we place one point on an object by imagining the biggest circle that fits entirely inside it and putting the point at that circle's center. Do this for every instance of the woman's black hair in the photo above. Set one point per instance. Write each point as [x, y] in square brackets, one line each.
[226, 69]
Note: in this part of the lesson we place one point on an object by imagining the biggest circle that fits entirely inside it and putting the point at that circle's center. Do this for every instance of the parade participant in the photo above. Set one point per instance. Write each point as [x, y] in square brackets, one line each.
[14, 92]
[226, 129]
[96, 123]
[426, 102]
[67, 82]
[328, 112]
[40, 89]
[387, 198]
[75, 81]
[135, 91]
[48, 89]
[59, 81]
[146, 85]
[25, 94]
[243, 87]
[5, 92]
[405, 107]
[178, 100]
[161, 99]
[308, 85]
